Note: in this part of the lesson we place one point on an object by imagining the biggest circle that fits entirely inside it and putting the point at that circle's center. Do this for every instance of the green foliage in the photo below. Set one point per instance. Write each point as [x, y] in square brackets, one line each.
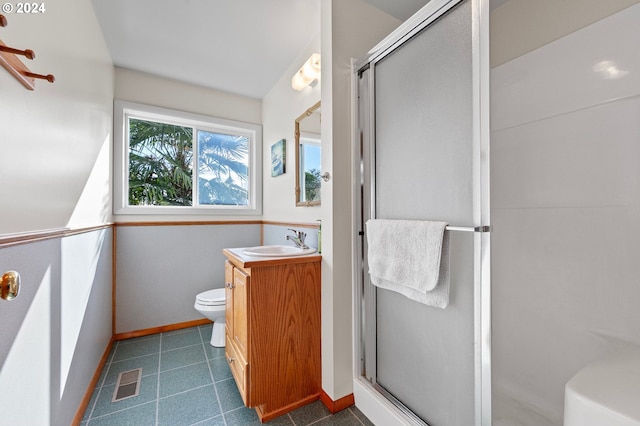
[160, 158]
[161, 166]
[312, 185]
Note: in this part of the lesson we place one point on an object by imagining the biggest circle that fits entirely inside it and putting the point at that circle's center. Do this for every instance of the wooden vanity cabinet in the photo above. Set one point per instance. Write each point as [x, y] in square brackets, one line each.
[273, 330]
[236, 326]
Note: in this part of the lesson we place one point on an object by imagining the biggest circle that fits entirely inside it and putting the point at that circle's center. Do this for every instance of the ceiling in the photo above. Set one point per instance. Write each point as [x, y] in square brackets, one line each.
[239, 46]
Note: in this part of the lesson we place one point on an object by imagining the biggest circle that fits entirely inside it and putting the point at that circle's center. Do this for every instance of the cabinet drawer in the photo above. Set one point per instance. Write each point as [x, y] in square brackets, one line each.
[239, 369]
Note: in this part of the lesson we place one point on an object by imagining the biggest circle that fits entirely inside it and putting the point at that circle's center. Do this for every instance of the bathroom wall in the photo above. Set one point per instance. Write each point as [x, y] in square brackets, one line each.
[56, 140]
[275, 233]
[153, 259]
[55, 151]
[349, 28]
[280, 107]
[565, 185]
[55, 332]
[135, 86]
[160, 269]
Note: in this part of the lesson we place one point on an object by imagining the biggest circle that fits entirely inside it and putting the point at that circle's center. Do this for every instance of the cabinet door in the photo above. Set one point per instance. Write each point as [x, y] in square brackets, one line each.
[228, 291]
[240, 321]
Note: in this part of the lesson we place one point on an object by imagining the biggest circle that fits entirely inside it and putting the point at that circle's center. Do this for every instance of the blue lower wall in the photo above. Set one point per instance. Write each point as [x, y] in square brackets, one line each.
[161, 269]
[55, 332]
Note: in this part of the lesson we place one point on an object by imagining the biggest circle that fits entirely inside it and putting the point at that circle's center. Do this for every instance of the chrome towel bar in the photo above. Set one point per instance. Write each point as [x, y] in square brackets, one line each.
[468, 228]
[484, 228]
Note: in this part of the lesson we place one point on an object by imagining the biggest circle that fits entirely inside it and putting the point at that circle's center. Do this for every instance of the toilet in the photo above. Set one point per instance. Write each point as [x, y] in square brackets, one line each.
[211, 304]
[606, 392]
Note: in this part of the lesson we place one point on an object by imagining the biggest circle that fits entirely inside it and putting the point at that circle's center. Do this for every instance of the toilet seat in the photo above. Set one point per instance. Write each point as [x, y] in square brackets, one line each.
[215, 297]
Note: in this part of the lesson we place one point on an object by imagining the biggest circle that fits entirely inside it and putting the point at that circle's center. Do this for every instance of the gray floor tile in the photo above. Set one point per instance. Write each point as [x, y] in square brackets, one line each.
[142, 415]
[310, 413]
[92, 402]
[188, 396]
[364, 419]
[283, 420]
[212, 351]
[220, 369]
[103, 374]
[112, 351]
[136, 348]
[189, 407]
[205, 332]
[184, 379]
[182, 357]
[216, 421]
[242, 417]
[341, 418]
[180, 340]
[229, 395]
[179, 331]
[140, 339]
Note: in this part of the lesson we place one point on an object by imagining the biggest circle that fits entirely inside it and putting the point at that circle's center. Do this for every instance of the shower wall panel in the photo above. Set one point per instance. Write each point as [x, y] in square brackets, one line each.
[565, 207]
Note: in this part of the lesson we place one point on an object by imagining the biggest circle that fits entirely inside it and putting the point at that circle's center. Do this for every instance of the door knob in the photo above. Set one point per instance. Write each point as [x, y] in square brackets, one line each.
[10, 285]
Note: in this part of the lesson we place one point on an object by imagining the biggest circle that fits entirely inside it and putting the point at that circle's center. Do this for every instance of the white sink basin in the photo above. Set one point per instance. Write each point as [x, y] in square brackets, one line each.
[277, 251]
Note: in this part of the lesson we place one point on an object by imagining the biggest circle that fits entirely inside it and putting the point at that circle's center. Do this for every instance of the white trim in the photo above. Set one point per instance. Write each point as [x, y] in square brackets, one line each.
[203, 122]
[377, 408]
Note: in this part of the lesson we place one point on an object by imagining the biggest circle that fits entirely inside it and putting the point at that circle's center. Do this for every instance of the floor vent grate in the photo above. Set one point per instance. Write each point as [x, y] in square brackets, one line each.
[128, 385]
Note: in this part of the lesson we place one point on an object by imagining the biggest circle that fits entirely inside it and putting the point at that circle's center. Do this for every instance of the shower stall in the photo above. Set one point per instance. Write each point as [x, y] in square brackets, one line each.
[422, 150]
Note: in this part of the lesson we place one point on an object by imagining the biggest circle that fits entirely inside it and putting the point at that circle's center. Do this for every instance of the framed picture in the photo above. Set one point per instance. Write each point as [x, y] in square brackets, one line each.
[278, 157]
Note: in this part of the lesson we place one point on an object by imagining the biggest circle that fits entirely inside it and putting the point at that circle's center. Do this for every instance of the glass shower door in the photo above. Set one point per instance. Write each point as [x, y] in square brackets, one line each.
[424, 157]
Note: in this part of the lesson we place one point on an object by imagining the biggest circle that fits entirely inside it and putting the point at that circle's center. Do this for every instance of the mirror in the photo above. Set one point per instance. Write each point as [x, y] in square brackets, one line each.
[308, 150]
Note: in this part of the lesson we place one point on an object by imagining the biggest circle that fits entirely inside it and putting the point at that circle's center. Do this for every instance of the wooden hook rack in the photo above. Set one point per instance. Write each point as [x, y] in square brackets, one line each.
[16, 68]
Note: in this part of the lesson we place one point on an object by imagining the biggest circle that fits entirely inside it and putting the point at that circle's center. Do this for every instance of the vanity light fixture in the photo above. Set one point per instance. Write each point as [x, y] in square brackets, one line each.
[308, 74]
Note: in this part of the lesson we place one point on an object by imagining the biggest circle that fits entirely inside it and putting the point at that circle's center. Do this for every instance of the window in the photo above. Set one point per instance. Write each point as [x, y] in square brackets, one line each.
[172, 162]
[310, 152]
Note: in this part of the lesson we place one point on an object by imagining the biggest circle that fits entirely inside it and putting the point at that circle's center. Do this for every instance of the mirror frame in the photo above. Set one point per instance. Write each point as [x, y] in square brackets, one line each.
[304, 115]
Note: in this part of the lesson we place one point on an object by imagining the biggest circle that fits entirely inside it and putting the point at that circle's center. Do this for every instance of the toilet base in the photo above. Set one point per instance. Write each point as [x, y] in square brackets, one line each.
[217, 334]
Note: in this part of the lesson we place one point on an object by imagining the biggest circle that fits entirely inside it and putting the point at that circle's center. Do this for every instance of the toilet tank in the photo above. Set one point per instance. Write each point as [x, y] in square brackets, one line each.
[606, 392]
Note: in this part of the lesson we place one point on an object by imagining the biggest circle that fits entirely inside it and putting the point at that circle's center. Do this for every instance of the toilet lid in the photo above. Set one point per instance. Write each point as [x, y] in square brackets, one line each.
[211, 297]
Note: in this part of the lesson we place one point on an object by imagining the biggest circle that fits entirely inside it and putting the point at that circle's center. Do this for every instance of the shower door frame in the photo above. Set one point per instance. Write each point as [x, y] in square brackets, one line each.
[367, 392]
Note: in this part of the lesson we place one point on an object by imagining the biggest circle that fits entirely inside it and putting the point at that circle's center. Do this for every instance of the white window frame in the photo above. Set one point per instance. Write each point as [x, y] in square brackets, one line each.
[124, 109]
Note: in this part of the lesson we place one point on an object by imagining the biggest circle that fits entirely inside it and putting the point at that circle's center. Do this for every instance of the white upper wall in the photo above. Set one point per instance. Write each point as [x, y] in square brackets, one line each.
[55, 142]
[349, 29]
[280, 108]
[143, 88]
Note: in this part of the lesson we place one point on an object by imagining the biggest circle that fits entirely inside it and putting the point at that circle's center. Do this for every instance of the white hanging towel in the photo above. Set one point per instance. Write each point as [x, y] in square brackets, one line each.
[410, 257]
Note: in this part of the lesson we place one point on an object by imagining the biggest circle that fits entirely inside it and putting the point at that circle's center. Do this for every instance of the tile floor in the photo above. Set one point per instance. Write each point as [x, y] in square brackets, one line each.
[186, 381]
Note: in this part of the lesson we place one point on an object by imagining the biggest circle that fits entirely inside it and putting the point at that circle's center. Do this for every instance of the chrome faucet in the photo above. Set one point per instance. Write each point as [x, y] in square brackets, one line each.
[298, 238]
